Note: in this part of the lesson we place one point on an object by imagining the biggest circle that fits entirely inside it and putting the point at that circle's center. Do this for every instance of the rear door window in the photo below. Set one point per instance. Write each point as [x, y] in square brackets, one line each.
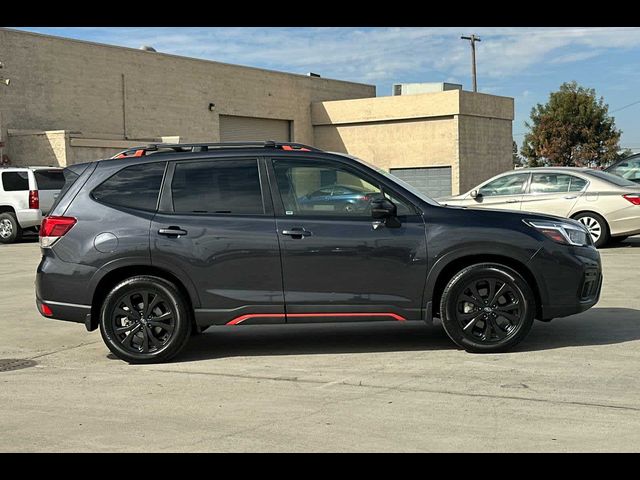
[49, 179]
[15, 181]
[217, 187]
[135, 187]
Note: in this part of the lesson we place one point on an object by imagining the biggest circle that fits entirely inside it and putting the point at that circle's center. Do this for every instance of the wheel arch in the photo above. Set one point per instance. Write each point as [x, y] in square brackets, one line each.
[7, 209]
[447, 271]
[581, 211]
[113, 277]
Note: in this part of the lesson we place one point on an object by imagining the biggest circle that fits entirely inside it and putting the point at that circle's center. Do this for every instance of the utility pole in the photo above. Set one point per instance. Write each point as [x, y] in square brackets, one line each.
[473, 39]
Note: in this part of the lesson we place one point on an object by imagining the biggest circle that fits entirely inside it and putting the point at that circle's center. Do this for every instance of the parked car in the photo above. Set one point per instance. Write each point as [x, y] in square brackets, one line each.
[627, 168]
[172, 239]
[605, 204]
[26, 194]
[336, 197]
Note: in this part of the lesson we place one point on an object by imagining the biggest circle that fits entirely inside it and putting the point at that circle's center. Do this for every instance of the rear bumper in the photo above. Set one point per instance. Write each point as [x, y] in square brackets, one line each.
[572, 280]
[68, 312]
[62, 286]
[625, 221]
[29, 217]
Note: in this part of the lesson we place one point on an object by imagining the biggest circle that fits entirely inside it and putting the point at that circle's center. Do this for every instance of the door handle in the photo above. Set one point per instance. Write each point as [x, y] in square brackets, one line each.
[512, 201]
[172, 231]
[570, 197]
[297, 232]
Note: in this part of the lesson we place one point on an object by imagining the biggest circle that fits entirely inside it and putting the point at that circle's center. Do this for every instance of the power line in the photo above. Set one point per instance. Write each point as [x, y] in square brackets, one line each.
[626, 106]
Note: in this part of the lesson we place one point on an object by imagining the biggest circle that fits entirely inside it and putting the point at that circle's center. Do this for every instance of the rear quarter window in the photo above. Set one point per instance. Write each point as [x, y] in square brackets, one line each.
[15, 181]
[49, 179]
[136, 186]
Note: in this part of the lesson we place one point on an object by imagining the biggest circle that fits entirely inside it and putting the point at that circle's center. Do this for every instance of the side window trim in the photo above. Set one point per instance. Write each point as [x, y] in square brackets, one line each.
[166, 206]
[278, 203]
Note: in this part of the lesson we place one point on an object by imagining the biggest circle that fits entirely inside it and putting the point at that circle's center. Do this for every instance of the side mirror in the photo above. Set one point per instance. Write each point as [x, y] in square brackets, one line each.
[383, 208]
[475, 194]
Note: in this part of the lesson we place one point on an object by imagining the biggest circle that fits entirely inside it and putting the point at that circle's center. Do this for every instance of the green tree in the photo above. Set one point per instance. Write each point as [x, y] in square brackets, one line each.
[572, 129]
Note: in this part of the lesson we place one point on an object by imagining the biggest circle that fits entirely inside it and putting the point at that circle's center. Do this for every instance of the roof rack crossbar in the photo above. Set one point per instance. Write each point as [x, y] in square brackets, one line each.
[204, 147]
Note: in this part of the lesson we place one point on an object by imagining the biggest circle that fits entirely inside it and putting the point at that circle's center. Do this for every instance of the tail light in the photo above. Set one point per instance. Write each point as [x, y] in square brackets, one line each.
[34, 199]
[53, 228]
[633, 198]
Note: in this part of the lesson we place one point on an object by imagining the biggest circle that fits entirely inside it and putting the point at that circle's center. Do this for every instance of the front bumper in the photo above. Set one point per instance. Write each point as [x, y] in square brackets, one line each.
[571, 280]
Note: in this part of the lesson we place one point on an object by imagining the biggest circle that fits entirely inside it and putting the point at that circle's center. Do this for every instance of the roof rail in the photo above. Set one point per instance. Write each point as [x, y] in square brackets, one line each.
[204, 147]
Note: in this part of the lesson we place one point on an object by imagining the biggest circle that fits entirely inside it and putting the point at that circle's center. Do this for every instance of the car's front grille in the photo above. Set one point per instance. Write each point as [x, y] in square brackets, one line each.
[591, 284]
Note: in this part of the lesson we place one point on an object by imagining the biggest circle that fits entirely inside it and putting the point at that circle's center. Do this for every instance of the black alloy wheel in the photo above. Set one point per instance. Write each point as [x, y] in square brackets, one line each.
[144, 319]
[487, 308]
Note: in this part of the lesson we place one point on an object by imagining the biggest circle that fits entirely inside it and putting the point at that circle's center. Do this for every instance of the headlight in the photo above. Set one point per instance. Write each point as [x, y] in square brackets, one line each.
[561, 232]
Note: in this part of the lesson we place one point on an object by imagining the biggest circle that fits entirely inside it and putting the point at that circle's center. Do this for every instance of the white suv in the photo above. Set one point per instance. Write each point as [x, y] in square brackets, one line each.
[26, 195]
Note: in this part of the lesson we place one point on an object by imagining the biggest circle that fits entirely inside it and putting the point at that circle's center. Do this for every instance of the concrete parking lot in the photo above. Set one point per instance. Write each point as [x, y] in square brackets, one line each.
[572, 385]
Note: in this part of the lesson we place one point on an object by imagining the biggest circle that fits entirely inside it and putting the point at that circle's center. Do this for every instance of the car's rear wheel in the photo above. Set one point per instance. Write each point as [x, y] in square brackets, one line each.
[597, 226]
[10, 230]
[145, 319]
[487, 308]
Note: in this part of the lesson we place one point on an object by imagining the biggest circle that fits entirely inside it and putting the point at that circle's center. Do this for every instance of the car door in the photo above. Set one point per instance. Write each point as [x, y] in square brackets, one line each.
[502, 193]
[337, 262]
[553, 193]
[215, 226]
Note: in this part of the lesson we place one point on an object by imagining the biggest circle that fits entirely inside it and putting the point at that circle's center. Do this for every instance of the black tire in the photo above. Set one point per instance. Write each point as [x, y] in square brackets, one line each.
[145, 319]
[488, 327]
[10, 230]
[596, 224]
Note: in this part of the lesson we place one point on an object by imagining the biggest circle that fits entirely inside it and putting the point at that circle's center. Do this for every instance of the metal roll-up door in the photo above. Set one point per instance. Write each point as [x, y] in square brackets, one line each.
[432, 181]
[238, 129]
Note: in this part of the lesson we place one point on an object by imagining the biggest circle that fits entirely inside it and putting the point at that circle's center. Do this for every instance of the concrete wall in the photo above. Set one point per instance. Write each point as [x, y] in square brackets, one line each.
[64, 84]
[470, 132]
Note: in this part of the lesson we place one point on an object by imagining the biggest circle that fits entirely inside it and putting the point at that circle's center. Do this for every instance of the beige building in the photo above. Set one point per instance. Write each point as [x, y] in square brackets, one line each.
[71, 101]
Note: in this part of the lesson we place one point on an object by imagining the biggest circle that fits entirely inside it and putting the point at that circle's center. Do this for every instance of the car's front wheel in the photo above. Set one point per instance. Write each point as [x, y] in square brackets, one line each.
[145, 319]
[487, 308]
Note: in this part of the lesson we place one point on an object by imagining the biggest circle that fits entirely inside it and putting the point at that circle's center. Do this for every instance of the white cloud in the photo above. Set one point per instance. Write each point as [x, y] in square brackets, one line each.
[380, 55]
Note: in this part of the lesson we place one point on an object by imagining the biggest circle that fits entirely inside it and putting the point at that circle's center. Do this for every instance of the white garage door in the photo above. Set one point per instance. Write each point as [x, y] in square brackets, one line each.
[432, 181]
[238, 129]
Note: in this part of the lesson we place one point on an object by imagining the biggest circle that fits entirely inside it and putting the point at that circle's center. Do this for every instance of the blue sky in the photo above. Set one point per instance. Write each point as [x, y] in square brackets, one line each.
[525, 63]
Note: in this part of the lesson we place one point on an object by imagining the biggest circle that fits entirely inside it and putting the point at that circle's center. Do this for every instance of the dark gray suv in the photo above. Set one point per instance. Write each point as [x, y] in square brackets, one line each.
[167, 240]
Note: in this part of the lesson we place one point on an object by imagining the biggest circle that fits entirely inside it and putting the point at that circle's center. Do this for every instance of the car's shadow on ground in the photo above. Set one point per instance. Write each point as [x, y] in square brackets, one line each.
[598, 326]
[631, 242]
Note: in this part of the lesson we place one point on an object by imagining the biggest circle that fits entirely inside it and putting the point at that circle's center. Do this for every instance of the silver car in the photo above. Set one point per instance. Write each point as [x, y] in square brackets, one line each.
[609, 206]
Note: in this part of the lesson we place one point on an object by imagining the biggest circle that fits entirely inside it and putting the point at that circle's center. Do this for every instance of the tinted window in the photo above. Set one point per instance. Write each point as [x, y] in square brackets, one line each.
[222, 186]
[507, 185]
[621, 182]
[15, 181]
[49, 179]
[136, 186]
[549, 183]
[298, 183]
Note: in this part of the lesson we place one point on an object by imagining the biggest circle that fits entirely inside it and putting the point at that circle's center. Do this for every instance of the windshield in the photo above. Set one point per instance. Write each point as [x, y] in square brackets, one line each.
[608, 177]
[392, 177]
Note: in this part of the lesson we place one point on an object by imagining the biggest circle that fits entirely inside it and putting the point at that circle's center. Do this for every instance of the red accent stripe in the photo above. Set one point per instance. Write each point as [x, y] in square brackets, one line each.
[289, 147]
[242, 318]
